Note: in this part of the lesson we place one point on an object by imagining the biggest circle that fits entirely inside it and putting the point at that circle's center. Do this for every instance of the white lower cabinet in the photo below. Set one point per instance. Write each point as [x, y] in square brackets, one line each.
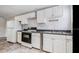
[59, 44]
[36, 40]
[54, 43]
[19, 37]
[69, 44]
[47, 43]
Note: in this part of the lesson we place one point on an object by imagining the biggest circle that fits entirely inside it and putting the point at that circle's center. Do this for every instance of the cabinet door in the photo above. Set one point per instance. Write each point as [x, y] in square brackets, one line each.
[59, 44]
[36, 40]
[19, 37]
[69, 44]
[41, 16]
[47, 43]
[53, 13]
[57, 11]
[31, 15]
[49, 13]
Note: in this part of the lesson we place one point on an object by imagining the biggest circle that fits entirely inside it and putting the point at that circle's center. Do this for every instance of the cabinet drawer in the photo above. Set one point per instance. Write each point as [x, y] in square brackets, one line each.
[69, 37]
[47, 35]
[59, 37]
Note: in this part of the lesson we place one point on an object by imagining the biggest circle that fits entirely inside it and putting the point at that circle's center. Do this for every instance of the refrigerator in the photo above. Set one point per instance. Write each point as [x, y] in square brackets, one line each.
[11, 30]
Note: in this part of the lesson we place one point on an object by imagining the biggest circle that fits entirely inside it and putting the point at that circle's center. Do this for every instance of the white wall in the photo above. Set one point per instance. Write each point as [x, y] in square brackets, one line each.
[64, 23]
[32, 23]
[2, 27]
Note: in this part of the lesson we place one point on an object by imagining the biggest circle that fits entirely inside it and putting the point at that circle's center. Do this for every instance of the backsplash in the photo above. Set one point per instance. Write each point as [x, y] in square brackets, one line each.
[24, 26]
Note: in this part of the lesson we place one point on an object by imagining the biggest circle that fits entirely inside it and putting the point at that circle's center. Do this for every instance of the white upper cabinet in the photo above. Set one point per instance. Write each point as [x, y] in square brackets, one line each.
[48, 13]
[24, 18]
[54, 13]
[31, 15]
[41, 18]
[57, 11]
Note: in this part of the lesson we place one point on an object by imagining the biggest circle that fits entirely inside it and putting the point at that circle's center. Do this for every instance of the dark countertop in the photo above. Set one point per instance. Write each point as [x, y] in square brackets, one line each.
[48, 32]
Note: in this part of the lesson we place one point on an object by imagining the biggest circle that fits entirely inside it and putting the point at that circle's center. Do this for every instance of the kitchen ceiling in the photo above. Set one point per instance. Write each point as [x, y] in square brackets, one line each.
[12, 10]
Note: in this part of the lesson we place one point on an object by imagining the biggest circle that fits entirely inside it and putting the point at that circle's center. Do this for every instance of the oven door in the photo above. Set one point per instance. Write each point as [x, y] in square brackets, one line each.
[26, 37]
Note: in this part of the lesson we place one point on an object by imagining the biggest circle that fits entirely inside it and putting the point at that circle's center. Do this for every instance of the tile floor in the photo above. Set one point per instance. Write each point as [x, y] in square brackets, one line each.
[6, 47]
